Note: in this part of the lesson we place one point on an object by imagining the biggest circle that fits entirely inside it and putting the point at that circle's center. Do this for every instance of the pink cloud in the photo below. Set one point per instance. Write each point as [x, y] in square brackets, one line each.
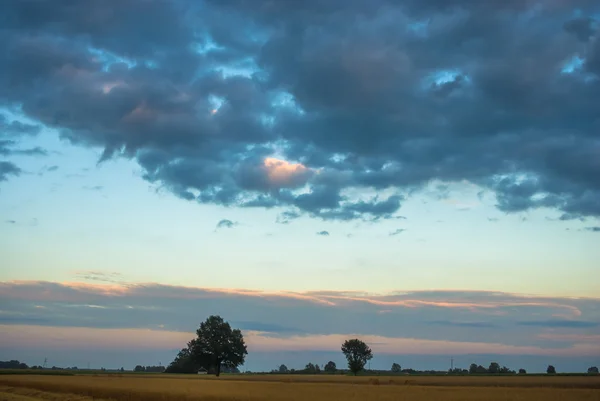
[490, 303]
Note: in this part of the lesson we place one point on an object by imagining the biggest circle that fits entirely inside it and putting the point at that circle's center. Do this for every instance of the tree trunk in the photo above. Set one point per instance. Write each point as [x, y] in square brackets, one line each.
[218, 368]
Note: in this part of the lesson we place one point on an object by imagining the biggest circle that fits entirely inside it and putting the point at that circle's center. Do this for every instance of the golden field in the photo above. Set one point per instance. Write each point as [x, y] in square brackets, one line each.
[152, 387]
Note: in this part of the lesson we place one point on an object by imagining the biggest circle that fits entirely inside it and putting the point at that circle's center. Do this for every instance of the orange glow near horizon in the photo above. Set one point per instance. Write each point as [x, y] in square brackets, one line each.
[76, 338]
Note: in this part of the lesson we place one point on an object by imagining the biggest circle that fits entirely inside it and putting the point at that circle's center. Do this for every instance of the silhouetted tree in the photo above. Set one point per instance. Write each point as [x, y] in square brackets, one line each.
[283, 369]
[473, 368]
[522, 371]
[139, 368]
[13, 364]
[593, 370]
[357, 353]
[494, 368]
[551, 370]
[396, 368]
[312, 368]
[185, 363]
[218, 343]
[217, 347]
[330, 367]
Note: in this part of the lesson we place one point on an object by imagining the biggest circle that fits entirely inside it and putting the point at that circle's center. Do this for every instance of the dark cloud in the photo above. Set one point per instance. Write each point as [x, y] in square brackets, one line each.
[593, 229]
[583, 28]
[323, 233]
[287, 216]
[7, 150]
[266, 327]
[355, 97]
[557, 323]
[397, 231]
[226, 224]
[7, 169]
[107, 301]
[11, 221]
[463, 324]
[15, 129]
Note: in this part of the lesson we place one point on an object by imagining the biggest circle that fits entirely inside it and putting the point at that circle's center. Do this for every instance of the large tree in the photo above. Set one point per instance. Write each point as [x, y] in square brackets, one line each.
[357, 353]
[216, 346]
[396, 368]
[218, 343]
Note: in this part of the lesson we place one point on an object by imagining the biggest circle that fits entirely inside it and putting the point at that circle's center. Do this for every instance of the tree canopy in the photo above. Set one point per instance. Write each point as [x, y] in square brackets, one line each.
[396, 368]
[551, 370]
[216, 346]
[357, 353]
[330, 367]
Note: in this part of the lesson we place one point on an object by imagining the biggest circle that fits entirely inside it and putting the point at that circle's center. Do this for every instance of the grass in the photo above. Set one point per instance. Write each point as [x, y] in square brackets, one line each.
[160, 387]
[45, 372]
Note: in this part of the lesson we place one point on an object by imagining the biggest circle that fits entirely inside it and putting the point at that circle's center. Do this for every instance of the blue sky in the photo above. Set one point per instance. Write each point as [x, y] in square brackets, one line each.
[445, 178]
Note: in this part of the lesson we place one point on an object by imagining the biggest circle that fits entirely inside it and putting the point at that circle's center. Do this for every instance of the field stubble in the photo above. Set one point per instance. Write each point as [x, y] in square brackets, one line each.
[296, 388]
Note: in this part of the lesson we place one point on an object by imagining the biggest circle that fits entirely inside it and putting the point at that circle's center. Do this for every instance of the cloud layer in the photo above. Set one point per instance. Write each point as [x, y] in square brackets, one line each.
[337, 110]
[407, 323]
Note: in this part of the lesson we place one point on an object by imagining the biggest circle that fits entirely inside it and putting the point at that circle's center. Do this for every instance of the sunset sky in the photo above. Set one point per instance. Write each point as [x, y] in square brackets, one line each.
[422, 175]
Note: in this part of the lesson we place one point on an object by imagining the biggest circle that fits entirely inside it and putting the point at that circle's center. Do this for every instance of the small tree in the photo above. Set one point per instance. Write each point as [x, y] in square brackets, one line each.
[357, 353]
[593, 370]
[330, 367]
[473, 368]
[396, 368]
[310, 368]
[551, 370]
[283, 369]
[494, 367]
[522, 371]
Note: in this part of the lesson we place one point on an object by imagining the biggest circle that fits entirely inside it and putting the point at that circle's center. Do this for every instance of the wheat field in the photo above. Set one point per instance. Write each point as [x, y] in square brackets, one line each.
[296, 388]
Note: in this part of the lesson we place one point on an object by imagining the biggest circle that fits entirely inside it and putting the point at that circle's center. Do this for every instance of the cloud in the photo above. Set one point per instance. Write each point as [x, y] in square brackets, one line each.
[93, 188]
[400, 321]
[463, 324]
[397, 231]
[100, 276]
[7, 169]
[286, 217]
[226, 224]
[593, 229]
[312, 107]
[10, 221]
[323, 233]
[554, 323]
[16, 129]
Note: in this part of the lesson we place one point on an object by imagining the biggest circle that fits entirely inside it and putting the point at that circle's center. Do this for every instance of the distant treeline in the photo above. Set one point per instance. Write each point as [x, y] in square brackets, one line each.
[310, 368]
[493, 369]
[149, 369]
[15, 364]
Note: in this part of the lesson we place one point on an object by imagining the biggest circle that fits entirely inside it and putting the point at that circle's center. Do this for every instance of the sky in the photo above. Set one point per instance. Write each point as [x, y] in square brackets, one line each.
[424, 176]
